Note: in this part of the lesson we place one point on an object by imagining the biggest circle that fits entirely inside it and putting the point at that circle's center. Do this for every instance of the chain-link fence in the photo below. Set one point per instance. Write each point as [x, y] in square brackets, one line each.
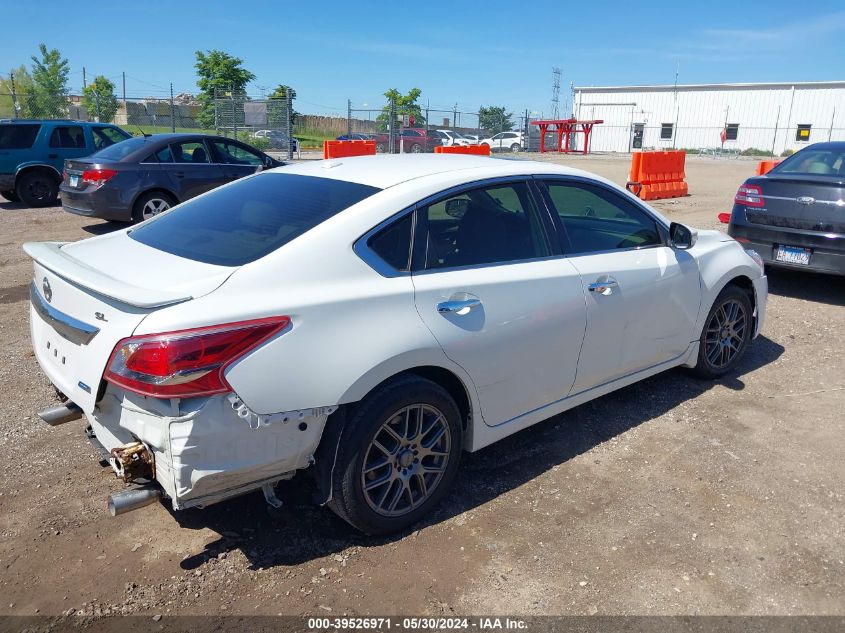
[401, 128]
[266, 123]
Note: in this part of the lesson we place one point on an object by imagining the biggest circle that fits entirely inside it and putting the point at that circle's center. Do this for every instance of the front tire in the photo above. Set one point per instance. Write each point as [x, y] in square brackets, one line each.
[38, 188]
[398, 456]
[416, 148]
[726, 334]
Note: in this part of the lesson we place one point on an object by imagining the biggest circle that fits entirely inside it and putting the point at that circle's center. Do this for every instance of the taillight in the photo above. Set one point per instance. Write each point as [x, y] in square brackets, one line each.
[187, 363]
[97, 177]
[750, 196]
[725, 218]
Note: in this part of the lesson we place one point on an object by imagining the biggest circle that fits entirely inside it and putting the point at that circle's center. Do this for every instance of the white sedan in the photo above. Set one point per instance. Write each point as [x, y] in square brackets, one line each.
[369, 319]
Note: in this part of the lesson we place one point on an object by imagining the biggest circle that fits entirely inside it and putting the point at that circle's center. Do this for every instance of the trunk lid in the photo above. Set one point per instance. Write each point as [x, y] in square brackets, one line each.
[808, 202]
[88, 295]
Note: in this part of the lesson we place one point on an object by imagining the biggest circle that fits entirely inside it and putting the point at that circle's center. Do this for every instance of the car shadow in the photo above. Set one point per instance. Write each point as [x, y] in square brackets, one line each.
[101, 228]
[19, 206]
[303, 531]
[810, 286]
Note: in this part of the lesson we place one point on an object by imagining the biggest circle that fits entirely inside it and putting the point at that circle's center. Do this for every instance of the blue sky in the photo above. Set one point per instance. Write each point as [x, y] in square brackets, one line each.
[470, 53]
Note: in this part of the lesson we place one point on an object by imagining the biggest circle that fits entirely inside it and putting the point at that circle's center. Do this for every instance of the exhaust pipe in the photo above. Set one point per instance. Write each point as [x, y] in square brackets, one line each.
[128, 500]
[61, 413]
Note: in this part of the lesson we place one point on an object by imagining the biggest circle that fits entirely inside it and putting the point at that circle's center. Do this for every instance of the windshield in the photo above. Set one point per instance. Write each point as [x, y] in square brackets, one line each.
[122, 149]
[242, 222]
[817, 162]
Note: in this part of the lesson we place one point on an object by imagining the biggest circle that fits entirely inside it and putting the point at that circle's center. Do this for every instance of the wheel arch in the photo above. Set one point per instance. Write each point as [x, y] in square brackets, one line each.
[157, 189]
[30, 167]
[326, 454]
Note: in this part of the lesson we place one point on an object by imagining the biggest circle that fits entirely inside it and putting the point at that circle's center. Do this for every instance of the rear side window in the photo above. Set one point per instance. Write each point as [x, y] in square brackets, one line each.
[393, 243]
[68, 137]
[18, 136]
[244, 221]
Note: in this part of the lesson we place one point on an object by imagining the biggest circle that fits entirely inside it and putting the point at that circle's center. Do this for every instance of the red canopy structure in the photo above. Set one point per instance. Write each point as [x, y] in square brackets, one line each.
[568, 128]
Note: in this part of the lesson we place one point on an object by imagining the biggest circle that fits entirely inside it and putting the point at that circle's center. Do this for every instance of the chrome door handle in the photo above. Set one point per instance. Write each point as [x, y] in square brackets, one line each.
[459, 307]
[603, 285]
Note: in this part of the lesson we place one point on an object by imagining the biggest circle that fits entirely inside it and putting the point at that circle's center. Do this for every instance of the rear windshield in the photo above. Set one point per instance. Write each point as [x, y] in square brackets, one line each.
[122, 149]
[18, 135]
[817, 162]
[247, 220]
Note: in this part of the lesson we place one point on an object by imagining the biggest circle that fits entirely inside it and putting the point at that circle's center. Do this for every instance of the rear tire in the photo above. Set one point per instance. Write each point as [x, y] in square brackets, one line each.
[726, 335]
[398, 456]
[416, 148]
[516, 147]
[38, 188]
[11, 196]
[150, 204]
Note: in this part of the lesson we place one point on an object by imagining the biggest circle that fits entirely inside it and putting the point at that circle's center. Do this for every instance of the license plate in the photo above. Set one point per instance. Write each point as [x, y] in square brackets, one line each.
[74, 181]
[793, 255]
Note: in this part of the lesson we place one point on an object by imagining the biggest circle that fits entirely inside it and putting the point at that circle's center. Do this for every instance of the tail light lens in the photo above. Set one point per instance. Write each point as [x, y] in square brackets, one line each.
[187, 363]
[750, 196]
[725, 218]
[97, 177]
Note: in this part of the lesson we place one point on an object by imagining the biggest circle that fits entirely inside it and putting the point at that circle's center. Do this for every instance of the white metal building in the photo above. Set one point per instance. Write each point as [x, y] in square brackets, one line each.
[768, 116]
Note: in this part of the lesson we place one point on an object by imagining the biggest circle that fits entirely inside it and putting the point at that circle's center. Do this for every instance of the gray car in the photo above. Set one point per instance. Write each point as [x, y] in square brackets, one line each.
[138, 178]
[794, 216]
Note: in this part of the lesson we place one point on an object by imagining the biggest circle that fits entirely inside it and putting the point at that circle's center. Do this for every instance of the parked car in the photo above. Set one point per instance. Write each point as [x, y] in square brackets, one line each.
[372, 321]
[138, 178]
[278, 140]
[412, 140]
[355, 137]
[794, 215]
[451, 138]
[505, 142]
[33, 151]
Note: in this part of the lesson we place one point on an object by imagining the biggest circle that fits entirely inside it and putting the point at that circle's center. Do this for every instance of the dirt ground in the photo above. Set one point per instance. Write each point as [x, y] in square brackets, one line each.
[672, 496]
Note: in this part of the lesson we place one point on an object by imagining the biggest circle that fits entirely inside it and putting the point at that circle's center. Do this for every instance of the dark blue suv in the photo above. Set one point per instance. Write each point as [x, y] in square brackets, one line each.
[33, 152]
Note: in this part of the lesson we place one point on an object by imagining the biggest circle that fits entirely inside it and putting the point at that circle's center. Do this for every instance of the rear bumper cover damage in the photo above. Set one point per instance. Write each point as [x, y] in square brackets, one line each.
[204, 450]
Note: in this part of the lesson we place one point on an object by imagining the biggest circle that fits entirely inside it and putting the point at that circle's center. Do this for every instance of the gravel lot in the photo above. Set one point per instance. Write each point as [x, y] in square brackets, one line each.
[673, 496]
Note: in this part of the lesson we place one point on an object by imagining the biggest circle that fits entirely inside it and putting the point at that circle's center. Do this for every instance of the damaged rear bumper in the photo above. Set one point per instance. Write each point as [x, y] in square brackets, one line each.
[202, 450]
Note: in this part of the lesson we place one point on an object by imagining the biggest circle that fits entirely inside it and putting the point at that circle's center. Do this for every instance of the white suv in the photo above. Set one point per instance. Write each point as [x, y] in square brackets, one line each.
[505, 142]
[368, 319]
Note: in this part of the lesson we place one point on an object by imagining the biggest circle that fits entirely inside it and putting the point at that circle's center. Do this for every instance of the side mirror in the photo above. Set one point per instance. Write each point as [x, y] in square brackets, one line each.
[682, 237]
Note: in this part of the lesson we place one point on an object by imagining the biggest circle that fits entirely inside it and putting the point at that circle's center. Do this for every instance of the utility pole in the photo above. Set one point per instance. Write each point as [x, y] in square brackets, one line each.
[172, 111]
[555, 92]
[455, 116]
[348, 118]
[14, 96]
[84, 82]
[124, 90]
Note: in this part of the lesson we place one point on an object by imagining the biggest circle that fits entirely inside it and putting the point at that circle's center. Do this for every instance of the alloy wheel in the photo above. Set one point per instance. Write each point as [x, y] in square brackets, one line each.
[153, 207]
[725, 333]
[406, 460]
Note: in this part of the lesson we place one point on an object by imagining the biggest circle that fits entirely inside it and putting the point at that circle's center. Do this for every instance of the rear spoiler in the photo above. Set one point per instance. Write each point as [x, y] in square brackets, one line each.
[51, 256]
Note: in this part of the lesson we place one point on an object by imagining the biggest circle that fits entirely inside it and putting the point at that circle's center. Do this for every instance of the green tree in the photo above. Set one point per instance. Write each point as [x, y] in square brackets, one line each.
[49, 77]
[494, 119]
[23, 95]
[219, 71]
[276, 107]
[405, 104]
[99, 100]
